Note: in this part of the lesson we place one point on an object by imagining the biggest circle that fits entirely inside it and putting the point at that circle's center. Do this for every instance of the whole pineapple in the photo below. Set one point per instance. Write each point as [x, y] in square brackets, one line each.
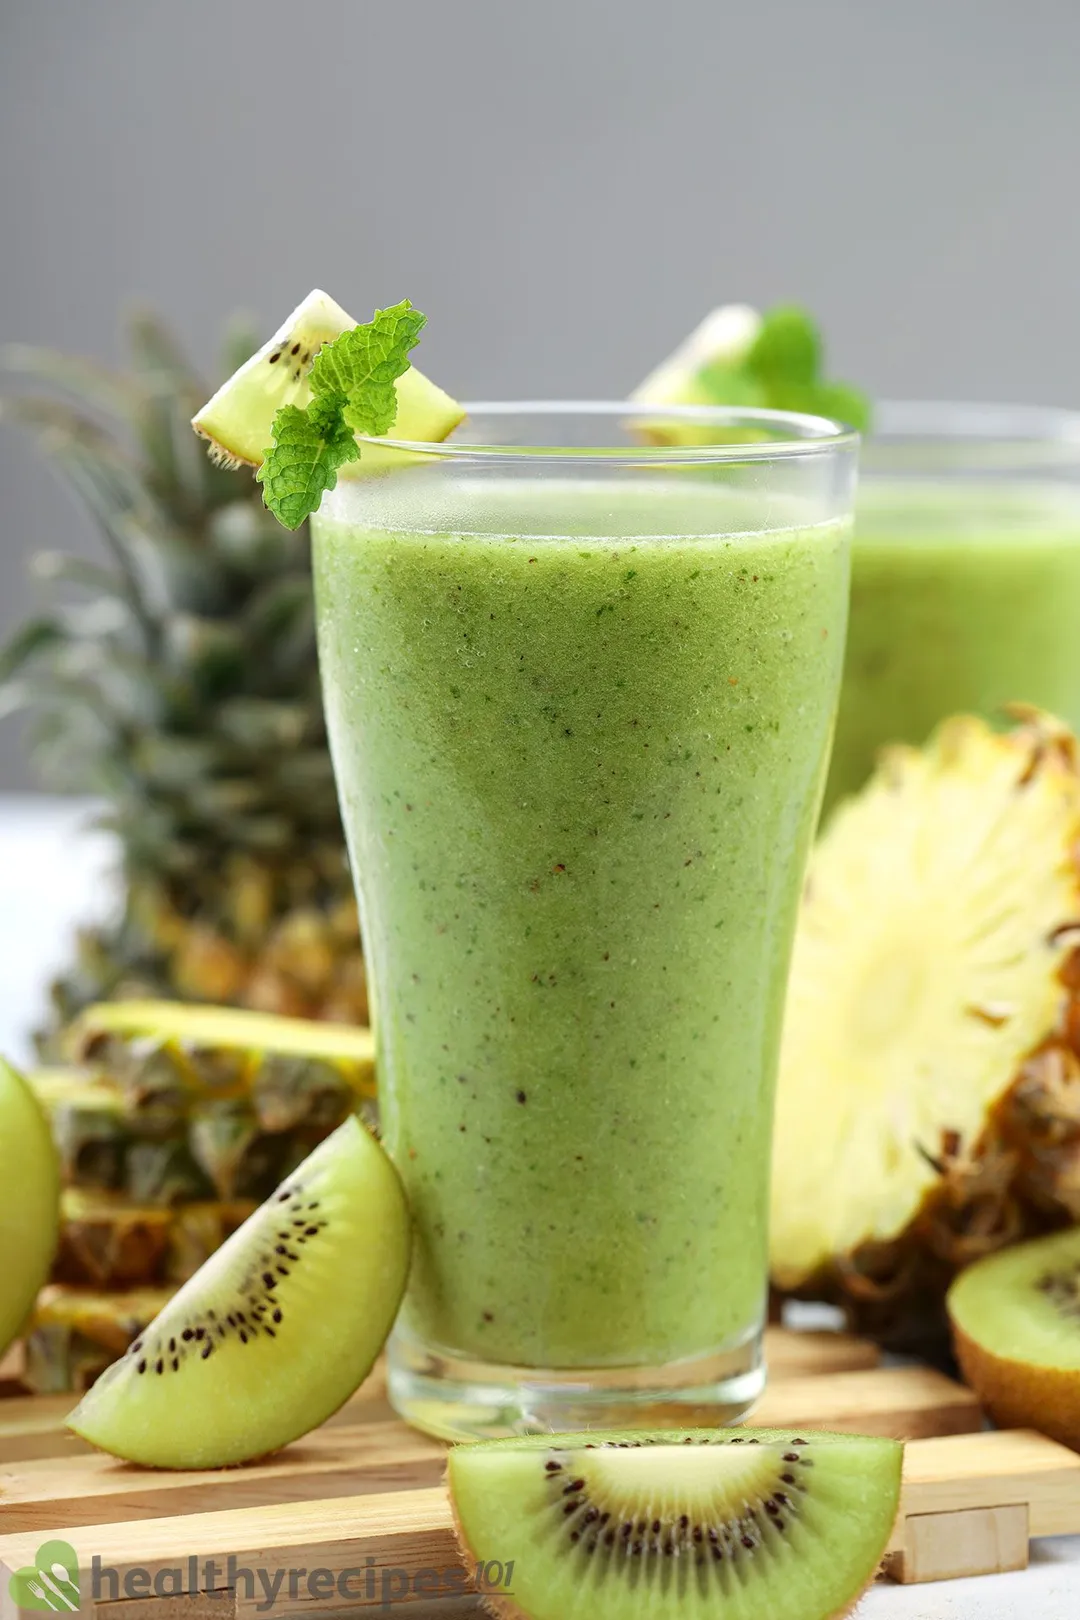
[178, 684]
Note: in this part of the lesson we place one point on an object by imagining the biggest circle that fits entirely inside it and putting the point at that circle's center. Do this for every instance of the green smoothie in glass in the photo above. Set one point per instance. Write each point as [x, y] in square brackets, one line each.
[965, 576]
[580, 705]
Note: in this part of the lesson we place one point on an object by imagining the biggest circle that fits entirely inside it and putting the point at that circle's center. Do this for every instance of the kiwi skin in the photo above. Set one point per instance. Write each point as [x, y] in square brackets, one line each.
[1020, 1395]
[1015, 1319]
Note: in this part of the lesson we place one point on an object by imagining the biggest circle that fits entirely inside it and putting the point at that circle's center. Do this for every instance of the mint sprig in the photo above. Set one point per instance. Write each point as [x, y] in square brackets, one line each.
[352, 391]
[782, 370]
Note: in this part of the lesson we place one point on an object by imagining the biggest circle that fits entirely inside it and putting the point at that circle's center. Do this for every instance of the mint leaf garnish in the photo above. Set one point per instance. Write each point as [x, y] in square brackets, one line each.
[364, 364]
[302, 463]
[782, 369]
[844, 402]
[787, 349]
[352, 391]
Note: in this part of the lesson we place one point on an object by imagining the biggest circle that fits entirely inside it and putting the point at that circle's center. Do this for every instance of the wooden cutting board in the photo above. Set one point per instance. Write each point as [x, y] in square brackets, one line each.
[363, 1494]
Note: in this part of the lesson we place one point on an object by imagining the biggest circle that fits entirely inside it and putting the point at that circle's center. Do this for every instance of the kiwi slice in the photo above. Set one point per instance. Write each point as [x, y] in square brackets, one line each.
[275, 1331]
[239, 418]
[29, 1201]
[1016, 1326]
[751, 1524]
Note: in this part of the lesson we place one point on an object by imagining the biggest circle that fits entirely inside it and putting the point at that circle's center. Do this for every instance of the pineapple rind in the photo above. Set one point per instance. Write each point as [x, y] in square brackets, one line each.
[927, 973]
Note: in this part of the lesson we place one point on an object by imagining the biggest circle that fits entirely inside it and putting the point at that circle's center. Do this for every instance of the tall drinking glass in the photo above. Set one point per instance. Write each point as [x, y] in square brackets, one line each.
[965, 591]
[580, 687]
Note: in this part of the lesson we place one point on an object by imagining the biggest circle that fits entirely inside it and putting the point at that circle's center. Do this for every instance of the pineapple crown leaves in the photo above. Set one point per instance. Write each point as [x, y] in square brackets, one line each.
[192, 645]
[352, 391]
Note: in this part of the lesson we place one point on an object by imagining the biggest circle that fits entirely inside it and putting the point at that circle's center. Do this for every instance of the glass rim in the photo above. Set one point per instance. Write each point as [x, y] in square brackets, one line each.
[798, 433]
[973, 420]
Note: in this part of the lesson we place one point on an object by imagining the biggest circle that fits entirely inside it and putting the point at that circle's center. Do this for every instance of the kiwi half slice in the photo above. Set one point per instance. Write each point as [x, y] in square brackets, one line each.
[275, 1331]
[750, 1524]
[239, 418]
[1016, 1326]
[29, 1201]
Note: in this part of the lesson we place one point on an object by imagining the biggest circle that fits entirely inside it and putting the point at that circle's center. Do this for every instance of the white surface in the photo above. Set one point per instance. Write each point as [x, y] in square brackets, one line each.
[53, 873]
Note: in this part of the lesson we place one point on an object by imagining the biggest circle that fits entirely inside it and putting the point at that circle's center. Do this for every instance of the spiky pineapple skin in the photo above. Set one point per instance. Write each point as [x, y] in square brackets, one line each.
[182, 690]
[1019, 1177]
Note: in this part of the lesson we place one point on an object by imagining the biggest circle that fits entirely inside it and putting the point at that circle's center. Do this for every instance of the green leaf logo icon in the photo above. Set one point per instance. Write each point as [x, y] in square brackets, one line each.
[51, 1582]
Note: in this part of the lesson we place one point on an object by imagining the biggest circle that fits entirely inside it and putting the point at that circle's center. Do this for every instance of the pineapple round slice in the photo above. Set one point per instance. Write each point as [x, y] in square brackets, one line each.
[927, 995]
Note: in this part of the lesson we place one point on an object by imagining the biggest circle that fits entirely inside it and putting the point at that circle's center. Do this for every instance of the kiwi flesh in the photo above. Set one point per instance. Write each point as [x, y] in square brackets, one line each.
[29, 1201]
[748, 1524]
[1015, 1320]
[275, 1331]
[239, 418]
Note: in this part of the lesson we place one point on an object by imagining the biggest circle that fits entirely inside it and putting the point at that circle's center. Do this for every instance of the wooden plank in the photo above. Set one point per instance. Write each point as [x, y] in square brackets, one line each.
[790, 1354]
[905, 1403]
[344, 1460]
[976, 1541]
[32, 1426]
[991, 1470]
[410, 1530]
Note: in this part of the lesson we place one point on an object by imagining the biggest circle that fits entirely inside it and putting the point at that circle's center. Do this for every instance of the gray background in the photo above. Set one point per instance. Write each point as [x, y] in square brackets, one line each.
[564, 186]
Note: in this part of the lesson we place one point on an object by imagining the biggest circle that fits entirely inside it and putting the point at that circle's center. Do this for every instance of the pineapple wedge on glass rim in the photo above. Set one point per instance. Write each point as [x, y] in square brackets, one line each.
[928, 1106]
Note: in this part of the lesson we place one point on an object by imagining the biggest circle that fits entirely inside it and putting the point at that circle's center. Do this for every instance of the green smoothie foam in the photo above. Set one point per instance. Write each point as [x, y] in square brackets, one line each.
[964, 597]
[579, 773]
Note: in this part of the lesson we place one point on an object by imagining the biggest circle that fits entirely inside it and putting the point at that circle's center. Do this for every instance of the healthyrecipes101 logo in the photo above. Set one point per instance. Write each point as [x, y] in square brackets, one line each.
[51, 1582]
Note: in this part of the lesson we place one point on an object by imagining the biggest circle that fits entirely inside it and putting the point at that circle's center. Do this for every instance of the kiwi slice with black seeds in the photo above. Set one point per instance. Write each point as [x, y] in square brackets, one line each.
[729, 1524]
[1016, 1326]
[275, 1331]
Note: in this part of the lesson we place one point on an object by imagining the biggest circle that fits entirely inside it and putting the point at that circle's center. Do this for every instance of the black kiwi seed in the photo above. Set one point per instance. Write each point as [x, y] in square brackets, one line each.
[159, 1366]
[609, 1538]
[142, 1365]
[571, 1507]
[206, 1350]
[574, 1536]
[553, 1467]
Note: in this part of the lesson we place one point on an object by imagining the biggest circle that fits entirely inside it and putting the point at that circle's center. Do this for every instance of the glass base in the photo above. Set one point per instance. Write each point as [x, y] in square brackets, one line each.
[455, 1398]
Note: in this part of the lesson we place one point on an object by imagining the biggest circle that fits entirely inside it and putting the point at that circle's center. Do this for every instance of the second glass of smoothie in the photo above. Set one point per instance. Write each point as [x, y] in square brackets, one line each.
[580, 689]
[965, 592]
